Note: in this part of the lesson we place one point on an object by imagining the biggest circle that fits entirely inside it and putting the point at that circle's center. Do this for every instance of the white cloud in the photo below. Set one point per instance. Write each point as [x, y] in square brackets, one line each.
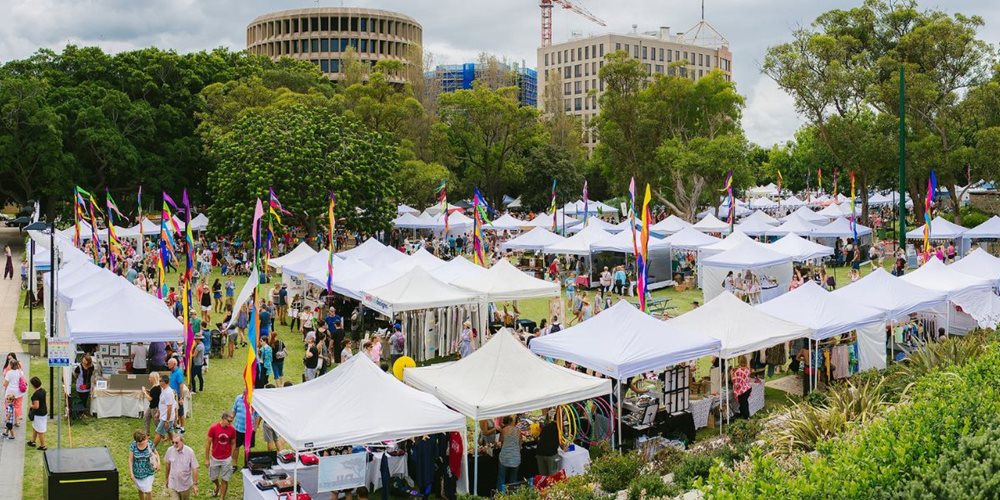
[770, 115]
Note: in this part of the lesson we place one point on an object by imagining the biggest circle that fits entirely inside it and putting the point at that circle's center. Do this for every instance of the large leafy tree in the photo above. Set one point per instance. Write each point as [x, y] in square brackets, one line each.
[304, 153]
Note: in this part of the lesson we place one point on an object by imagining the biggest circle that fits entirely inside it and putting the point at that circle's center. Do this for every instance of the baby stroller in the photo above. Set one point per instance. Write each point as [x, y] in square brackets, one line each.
[218, 340]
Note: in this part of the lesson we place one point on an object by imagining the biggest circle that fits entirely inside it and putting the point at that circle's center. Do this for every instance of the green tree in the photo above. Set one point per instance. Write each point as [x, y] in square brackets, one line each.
[304, 153]
[417, 182]
[547, 161]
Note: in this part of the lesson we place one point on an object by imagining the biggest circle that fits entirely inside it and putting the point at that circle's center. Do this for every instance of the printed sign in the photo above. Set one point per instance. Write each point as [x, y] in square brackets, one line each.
[342, 472]
[60, 352]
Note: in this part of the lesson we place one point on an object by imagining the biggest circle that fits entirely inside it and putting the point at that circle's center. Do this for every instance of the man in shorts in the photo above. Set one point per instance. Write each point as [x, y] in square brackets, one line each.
[219, 449]
[168, 412]
[240, 425]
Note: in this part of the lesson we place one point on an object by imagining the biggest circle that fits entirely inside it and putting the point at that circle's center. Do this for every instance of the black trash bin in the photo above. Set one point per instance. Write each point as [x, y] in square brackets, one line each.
[75, 473]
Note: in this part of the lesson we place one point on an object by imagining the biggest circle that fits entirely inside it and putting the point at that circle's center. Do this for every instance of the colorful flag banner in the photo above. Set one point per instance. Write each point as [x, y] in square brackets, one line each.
[555, 210]
[819, 180]
[631, 216]
[478, 255]
[779, 182]
[727, 186]
[443, 198]
[331, 242]
[114, 244]
[641, 273]
[142, 241]
[854, 215]
[836, 175]
[188, 276]
[928, 209]
[586, 210]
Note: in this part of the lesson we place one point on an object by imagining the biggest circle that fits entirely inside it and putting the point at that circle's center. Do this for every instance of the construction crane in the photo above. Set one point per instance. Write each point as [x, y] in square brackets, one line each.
[546, 6]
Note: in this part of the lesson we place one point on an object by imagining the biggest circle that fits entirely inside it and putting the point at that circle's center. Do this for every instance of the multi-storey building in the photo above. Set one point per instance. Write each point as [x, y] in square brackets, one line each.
[578, 61]
[449, 78]
[322, 35]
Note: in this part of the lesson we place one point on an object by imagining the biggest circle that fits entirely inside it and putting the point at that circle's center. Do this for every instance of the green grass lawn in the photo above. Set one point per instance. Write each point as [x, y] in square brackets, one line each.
[223, 381]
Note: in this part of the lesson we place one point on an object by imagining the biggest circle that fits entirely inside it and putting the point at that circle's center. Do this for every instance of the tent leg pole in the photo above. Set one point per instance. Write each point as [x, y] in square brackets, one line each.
[725, 375]
[614, 432]
[295, 474]
[475, 461]
[620, 444]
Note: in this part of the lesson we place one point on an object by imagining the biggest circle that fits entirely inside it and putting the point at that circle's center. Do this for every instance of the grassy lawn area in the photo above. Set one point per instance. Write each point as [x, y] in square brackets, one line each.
[223, 382]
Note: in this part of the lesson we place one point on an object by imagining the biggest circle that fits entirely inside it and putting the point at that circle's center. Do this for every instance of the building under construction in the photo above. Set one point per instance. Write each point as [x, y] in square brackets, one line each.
[493, 73]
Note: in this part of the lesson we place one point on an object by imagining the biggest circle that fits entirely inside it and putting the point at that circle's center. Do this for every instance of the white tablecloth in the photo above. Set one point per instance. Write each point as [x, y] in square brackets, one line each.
[106, 404]
[700, 408]
[575, 462]
[308, 473]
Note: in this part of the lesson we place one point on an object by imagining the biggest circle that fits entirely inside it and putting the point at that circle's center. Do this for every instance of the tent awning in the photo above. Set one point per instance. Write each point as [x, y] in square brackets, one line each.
[896, 297]
[799, 248]
[299, 253]
[829, 315]
[416, 289]
[749, 255]
[503, 281]
[536, 239]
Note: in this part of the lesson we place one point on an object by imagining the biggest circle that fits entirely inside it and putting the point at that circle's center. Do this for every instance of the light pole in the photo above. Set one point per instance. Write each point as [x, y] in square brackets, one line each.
[902, 159]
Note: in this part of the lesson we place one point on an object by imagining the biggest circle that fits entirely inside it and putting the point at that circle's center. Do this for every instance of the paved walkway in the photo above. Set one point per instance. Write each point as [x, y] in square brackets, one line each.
[12, 452]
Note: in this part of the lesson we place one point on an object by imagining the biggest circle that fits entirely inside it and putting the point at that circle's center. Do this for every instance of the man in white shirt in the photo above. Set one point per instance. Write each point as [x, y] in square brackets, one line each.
[181, 470]
[139, 352]
[168, 411]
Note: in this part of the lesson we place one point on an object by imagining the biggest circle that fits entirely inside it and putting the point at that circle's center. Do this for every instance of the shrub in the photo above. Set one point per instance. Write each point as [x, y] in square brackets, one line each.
[573, 488]
[694, 465]
[599, 449]
[744, 431]
[644, 487]
[520, 493]
[968, 471]
[614, 470]
[666, 460]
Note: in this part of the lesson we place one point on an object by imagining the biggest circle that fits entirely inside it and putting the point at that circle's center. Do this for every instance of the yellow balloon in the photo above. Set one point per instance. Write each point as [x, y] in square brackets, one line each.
[402, 363]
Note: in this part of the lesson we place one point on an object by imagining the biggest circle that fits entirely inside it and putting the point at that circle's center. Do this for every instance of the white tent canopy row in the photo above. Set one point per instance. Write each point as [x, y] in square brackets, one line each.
[972, 293]
[505, 222]
[840, 228]
[806, 214]
[897, 298]
[300, 252]
[579, 243]
[592, 207]
[534, 240]
[987, 230]
[799, 248]
[690, 238]
[761, 216]
[979, 263]
[594, 222]
[941, 229]
[668, 226]
[504, 378]
[623, 242]
[711, 224]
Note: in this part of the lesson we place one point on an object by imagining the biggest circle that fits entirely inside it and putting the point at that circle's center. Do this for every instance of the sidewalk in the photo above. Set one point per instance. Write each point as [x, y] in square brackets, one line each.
[12, 452]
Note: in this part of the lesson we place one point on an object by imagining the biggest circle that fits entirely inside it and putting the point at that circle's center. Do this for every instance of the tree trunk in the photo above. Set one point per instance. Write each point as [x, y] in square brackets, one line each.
[311, 231]
[956, 203]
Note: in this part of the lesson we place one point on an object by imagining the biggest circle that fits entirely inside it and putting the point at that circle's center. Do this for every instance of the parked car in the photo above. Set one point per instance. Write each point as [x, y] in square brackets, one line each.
[19, 222]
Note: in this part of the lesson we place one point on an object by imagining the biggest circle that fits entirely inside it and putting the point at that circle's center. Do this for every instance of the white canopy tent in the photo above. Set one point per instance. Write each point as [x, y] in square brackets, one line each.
[593, 207]
[343, 269]
[135, 319]
[579, 243]
[593, 221]
[792, 202]
[504, 378]
[761, 216]
[754, 227]
[622, 341]
[690, 238]
[545, 221]
[979, 263]
[897, 298]
[799, 248]
[300, 252]
[367, 404]
[711, 224]
[623, 243]
[435, 209]
[505, 222]
[534, 240]
[415, 289]
[740, 328]
[941, 229]
[840, 228]
[625, 225]
[971, 293]
[832, 211]
[793, 224]
[300, 267]
[749, 256]
[199, 223]
[421, 258]
[503, 281]
[806, 214]
[668, 226]
[989, 230]
[763, 203]
[409, 221]
[737, 238]
[459, 268]
[403, 208]
[457, 222]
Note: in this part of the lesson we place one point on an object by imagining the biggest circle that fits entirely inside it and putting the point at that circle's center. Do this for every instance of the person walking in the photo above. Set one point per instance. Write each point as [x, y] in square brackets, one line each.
[198, 366]
[219, 451]
[465, 339]
[278, 358]
[181, 470]
[741, 387]
[39, 415]
[143, 462]
[240, 425]
[167, 411]
[15, 386]
[153, 396]
[217, 295]
[311, 359]
[8, 267]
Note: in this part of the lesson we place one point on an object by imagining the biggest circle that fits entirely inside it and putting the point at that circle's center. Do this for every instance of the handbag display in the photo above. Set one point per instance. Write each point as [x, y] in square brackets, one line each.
[273, 475]
[286, 456]
[259, 464]
[308, 459]
[284, 485]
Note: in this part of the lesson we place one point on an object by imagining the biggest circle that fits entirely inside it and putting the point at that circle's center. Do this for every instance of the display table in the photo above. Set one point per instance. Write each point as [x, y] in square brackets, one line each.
[250, 491]
[307, 475]
[767, 294]
[575, 462]
[118, 403]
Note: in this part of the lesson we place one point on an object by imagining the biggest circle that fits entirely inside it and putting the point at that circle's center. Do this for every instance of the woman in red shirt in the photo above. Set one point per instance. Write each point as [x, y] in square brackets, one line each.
[741, 386]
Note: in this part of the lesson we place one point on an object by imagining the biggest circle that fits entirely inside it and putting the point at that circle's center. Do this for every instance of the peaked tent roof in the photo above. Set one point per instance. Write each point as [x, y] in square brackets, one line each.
[545, 221]
[300, 252]
[579, 243]
[343, 269]
[792, 201]
[459, 268]
[593, 221]
[622, 341]
[365, 400]
[761, 216]
[829, 315]
[456, 220]
[624, 225]
[369, 247]
[623, 243]
[668, 226]
[505, 222]
[980, 263]
[794, 224]
[593, 207]
[973, 294]
[503, 378]
[199, 223]
[746, 256]
[503, 281]
[690, 238]
[420, 258]
[737, 238]
[807, 215]
[839, 228]
[896, 297]
[416, 289]
[403, 208]
[762, 202]
[536, 239]
[941, 229]
[739, 327]
[799, 248]
[754, 227]
[301, 267]
[409, 221]
[711, 224]
[137, 319]
[988, 229]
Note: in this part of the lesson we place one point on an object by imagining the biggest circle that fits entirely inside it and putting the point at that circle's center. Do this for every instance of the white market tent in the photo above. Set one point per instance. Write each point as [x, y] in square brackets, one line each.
[301, 267]
[503, 281]
[622, 341]
[794, 225]
[435, 209]
[806, 214]
[761, 216]
[971, 293]
[827, 314]
[941, 229]
[505, 222]
[832, 211]
[459, 268]
[593, 207]
[897, 298]
[579, 243]
[136, 319]
[763, 203]
[741, 209]
[711, 224]
[987, 230]
[625, 225]
[343, 269]
[754, 227]
[792, 202]
[737, 238]
[536, 239]
[545, 221]
[799, 248]
[594, 222]
[751, 256]
[367, 404]
[416, 289]
[421, 258]
[504, 378]
[623, 243]
[403, 208]
[690, 238]
[839, 228]
[199, 223]
[668, 226]
[740, 328]
[409, 221]
[300, 252]
[979, 263]
[457, 221]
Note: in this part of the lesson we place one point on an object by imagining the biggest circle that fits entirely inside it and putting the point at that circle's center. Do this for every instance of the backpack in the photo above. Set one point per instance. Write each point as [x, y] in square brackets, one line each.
[280, 353]
[22, 385]
[398, 343]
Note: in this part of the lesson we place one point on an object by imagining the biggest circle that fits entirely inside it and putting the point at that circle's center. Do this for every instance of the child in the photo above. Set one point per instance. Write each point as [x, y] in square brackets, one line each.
[9, 417]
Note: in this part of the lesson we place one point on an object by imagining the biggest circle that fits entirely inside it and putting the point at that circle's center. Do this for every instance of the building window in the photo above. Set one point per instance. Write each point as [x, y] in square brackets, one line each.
[618, 47]
[626, 50]
[324, 45]
[701, 59]
[566, 72]
[602, 50]
[586, 69]
[586, 52]
[645, 52]
[567, 88]
[354, 24]
[568, 104]
[677, 55]
[577, 88]
[635, 52]
[324, 65]
[364, 44]
[559, 57]
[334, 65]
[701, 73]
[577, 71]
[354, 44]
[286, 27]
[313, 24]
[343, 44]
[659, 68]
[686, 57]
[579, 53]
[649, 69]
[324, 25]
[661, 55]
[295, 46]
[364, 24]
[285, 47]
[577, 104]
[602, 85]
[546, 59]
[295, 25]
[671, 71]
[314, 45]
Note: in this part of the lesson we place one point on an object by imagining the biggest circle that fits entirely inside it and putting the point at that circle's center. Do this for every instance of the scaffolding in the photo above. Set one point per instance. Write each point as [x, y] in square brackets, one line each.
[453, 77]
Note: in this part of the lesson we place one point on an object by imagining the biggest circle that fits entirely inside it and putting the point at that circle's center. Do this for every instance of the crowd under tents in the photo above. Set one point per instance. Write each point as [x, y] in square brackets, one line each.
[830, 315]
[772, 268]
[980, 263]
[367, 403]
[535, 240]
[973, 295]
[799, 248]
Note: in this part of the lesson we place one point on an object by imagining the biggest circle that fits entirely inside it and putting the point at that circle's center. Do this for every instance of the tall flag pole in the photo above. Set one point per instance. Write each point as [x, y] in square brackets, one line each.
[479, 208]
[779, 183]
[138, 204]
[854, 214]
[586, 212]
[77, 203]
[274, 211]
[836, 174]
[443, 198]
[727, 186]
[555, 221]
[250, 370]
[95, 240]
[642, 273]
[331, 242]
[188, 276]
[168, 227]
[819, 180]
[631, 216]
[929, 204]
[114, 244]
